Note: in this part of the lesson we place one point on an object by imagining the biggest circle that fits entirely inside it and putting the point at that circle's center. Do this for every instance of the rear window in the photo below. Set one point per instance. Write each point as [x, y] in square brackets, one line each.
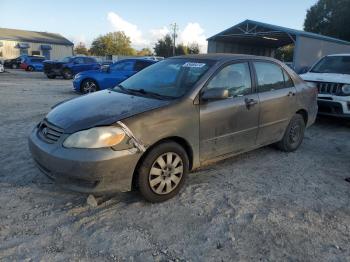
[37, 60]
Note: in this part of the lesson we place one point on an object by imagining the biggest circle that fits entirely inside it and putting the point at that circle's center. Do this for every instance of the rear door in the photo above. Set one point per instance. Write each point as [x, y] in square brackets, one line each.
[118, 72]
[79, 65]
[277, 96]
[230, 125]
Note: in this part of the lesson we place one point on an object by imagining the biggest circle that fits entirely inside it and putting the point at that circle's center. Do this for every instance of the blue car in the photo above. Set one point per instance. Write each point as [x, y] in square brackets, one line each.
[32, 63]
[109, 76]
[70, 66]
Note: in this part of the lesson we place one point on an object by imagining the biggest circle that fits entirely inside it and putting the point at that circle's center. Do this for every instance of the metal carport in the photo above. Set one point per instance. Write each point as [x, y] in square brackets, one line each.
[256, 38]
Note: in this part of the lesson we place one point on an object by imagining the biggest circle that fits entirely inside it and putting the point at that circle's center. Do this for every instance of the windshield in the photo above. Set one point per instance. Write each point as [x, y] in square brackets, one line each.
[333, 64]
[66, 59]
[170, 78]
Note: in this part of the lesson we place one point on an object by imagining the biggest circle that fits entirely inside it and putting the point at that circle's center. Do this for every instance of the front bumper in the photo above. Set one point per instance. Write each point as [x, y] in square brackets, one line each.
[331, 107]
[76, 84]
[98, 171]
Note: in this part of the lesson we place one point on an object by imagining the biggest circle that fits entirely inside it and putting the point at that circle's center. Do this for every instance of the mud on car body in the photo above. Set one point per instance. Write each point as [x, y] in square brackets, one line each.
[170, 118]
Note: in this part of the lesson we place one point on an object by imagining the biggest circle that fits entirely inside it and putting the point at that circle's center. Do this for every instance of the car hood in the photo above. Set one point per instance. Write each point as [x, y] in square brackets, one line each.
[326, 77]
[101, 108]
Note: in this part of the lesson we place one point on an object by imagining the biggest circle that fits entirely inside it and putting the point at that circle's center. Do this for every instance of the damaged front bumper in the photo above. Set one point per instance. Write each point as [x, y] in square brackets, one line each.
[98, 171]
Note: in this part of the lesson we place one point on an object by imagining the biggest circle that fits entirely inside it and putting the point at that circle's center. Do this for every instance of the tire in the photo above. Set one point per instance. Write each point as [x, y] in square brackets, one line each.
[89, 86]
[294, 134]
[14, 66]
[67, 74]
[30, 69]
[51, 76]
[156, 177]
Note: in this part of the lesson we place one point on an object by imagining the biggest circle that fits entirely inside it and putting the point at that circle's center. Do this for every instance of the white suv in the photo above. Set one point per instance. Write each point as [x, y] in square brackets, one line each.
[331, 75]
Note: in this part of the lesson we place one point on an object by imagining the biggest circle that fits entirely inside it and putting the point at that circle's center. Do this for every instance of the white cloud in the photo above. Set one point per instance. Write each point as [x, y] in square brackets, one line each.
[131, 30]
[192, 33]
[158, 33]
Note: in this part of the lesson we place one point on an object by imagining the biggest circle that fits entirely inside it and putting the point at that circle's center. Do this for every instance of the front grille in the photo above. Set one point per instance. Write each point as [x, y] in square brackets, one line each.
[49, 132]
[329, 88]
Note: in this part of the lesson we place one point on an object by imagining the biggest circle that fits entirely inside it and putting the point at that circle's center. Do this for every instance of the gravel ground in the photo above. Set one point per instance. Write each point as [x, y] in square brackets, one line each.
[264, 205]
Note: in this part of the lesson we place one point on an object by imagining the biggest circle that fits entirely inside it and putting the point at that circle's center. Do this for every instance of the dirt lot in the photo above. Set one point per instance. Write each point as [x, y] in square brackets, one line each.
[264, 205]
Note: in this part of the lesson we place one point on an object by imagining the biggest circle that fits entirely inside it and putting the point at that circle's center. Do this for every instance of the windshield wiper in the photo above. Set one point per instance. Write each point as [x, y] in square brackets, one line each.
[151, 94]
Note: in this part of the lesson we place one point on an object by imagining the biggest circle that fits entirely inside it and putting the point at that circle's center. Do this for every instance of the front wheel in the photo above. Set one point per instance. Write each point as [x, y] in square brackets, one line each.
[89, 86]
[162, 172]
[14, 66]
[294, 134]
[30, 68]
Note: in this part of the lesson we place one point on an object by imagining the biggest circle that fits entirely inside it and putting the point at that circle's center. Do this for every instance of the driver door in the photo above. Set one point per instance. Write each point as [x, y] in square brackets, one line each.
[230, 125]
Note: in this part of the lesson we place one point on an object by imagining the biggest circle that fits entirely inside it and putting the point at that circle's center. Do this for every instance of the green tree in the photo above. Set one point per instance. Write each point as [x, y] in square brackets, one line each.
[164, 46]
[193, 48]
[81, 49]
[144, 52]
[285, 53]
[115, 43]
[330, 18]
[181, 49]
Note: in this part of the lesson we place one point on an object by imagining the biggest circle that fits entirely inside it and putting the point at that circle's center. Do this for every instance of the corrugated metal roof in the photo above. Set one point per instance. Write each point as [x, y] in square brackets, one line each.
[280, 29]
[32, 36]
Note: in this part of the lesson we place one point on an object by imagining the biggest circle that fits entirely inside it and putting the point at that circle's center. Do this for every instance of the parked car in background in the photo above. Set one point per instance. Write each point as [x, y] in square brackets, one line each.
[2, 69]
[331, 76]
[108, 76]
[33, 63]
[70, 66]
[15, 62]
[181, 113]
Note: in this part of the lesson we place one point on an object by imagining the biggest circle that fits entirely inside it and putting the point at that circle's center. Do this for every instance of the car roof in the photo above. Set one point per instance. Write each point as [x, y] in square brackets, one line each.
[224, 57]
[137, 59]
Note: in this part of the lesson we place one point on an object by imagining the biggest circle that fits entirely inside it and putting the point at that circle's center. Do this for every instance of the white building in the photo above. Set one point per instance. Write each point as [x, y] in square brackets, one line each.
[14, 43]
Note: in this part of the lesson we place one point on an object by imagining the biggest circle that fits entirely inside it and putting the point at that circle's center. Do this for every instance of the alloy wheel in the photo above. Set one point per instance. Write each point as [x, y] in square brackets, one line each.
[89, 87]
[166, 173]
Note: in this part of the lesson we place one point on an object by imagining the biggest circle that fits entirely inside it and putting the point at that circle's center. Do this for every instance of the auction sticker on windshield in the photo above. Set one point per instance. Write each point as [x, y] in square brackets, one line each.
[191, 64]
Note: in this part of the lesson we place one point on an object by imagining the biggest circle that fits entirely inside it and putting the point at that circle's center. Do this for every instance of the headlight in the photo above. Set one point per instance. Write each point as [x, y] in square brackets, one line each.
[77, 76]
[97, 137]
[346, 89]
[311, 84]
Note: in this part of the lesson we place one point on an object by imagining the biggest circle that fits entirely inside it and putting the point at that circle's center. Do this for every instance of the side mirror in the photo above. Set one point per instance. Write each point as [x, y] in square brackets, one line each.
[105, 68]
[215, 94]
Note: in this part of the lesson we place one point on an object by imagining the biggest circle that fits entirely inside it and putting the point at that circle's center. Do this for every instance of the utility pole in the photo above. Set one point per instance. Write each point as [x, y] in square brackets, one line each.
[174, 28]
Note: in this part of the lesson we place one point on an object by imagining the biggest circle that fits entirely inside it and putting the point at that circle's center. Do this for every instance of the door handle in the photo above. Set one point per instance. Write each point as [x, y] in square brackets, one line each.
[291, 93]
[250, 102]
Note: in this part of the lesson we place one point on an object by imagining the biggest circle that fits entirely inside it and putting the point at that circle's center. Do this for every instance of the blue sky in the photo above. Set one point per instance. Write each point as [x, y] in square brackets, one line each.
[145, 21]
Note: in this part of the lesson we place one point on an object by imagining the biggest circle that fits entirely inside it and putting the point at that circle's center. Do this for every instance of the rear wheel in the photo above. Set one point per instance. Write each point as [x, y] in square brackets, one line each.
[294, 134]
[14, 66]
[89, 86]
[30, 68]
[162, 172]
[67, 73]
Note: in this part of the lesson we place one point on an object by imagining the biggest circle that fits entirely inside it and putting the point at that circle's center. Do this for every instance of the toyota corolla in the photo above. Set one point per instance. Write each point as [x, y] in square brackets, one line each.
[151, 130]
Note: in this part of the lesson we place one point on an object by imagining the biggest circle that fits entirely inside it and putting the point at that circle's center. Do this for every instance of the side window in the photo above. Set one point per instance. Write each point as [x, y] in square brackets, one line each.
[235, 78]
[89, 60]
[79, 60]
[288, 82]
[139, 65]
[123, 66]
[270, 76]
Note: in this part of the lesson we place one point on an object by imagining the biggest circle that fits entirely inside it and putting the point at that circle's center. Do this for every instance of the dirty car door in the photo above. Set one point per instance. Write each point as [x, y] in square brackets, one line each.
[229, 125]
[277, 101]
